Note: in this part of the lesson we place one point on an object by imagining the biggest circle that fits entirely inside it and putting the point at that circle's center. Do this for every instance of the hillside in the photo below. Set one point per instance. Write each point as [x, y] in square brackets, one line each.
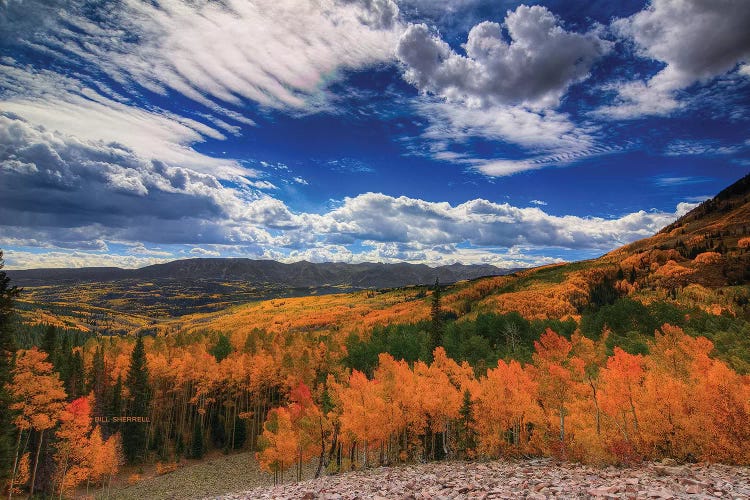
[264, 272]
[701, 259]
[640, 355]
[114, 300]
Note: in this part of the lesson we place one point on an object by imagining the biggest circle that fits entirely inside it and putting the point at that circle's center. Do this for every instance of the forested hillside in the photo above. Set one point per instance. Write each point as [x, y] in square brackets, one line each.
[642, 354]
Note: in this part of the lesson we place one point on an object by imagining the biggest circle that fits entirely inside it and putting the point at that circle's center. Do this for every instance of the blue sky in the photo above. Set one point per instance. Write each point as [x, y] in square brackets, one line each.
[470, 131]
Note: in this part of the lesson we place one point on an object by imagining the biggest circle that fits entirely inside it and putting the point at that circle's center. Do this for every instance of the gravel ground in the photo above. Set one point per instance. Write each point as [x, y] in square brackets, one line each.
[531, 479]
[215, 475]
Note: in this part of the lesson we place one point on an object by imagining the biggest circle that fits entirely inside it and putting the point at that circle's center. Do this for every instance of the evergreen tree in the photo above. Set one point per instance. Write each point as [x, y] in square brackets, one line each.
[466, 432]
[436, 317]
[196, 447]
[240, 433]
[222, 349]
[49, 343]
[7, 351]
[134, 433]
[76, 382]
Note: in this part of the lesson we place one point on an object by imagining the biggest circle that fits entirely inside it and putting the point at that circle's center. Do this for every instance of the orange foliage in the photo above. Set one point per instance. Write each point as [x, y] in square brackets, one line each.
[708, 258]
[165, 468]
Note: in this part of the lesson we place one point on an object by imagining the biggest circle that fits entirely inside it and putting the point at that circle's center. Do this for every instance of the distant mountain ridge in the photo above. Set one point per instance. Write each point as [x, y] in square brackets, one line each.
[296, 275]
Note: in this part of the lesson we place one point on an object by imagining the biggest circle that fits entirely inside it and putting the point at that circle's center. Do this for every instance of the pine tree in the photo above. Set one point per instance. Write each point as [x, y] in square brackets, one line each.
[467, 433]
[222, 349]
[436, 317]
[134, 433]
[196, 447]
[49, 343]
[240, 433]
[7, 351]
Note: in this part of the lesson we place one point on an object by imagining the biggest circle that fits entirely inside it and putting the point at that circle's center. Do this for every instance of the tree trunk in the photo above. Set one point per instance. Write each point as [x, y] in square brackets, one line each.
[15, 465]
[596, 405]
[36, 464]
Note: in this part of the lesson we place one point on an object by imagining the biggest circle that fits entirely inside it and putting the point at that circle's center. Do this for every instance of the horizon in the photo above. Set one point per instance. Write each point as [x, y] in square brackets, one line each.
[515, 134]
[268, 260]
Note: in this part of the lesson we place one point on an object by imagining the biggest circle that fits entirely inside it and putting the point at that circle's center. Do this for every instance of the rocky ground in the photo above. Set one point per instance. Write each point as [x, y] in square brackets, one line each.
[534, 479]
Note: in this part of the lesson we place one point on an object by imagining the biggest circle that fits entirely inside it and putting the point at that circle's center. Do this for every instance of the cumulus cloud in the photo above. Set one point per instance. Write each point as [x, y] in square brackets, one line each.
[62, 192]
[34, 260]
[503, 89]
[65, 105]
[482, 223]
[534, 68]
[202, 252]
[696, 40]
[60, 188]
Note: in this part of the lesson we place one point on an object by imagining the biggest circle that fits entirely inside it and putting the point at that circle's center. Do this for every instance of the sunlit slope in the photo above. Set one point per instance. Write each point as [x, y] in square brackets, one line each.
[700, 260]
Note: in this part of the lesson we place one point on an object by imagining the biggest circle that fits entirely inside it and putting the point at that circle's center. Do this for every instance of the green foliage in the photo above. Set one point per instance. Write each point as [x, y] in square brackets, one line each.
[602, 294]
[436, 318]
[196, 445]
[222, 348]
[467, 436]
[240, 433]
[409, 342]
[8, 295]
[134, 433]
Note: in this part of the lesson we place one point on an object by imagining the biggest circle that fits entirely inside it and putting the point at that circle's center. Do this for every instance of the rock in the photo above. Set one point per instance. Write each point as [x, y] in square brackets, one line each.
[536, 479]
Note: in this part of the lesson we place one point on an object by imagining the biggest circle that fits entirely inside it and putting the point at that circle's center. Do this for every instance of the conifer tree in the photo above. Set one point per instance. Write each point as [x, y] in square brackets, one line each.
[467, 433]
[196, 447]
[7, 351]
[134, 433]
[436, 318]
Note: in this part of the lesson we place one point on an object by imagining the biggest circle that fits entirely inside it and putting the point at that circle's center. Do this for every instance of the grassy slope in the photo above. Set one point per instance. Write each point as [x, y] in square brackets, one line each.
[215, 475]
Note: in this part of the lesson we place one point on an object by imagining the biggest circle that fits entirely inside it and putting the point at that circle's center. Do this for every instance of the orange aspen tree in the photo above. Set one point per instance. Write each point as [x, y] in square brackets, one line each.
[439, 397]
[622, 390]
[279, 443]
[399, 393]
[555, 378]
[73, 451]
[364, 413]
[309, 423]
[39, 399]
[593, 356]
[506, 402]
[104, 457]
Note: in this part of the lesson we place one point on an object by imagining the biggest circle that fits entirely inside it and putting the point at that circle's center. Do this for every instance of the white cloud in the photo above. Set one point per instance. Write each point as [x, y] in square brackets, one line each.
[262, 185]
[300, 180]
[31, 260]
[381, 218]
[702, 148]
[667, 181]
[141, 249]
[58, 103]
[535, 68]
[202, 252]
[503, 90]
[538, 202]
[697, 40]
[550, 137]
[278, 53]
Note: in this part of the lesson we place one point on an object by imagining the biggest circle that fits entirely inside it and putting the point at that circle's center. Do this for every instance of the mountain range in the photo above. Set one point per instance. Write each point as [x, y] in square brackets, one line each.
[266, 272]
